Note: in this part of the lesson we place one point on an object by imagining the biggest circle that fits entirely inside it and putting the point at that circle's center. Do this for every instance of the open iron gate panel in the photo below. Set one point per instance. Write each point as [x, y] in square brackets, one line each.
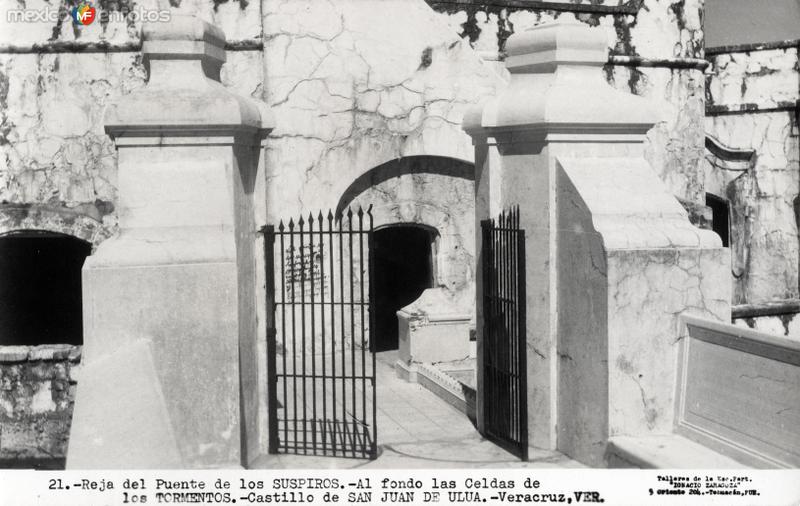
[321, 374]
[504, 353]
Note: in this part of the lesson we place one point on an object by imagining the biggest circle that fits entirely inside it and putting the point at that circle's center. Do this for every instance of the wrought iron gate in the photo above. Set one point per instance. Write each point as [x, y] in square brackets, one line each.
[504, 361]
[321, 374]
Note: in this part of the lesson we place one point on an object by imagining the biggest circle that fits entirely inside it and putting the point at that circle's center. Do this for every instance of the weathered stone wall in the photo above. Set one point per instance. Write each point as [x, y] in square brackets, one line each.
[357, 84]
[752, 98]
[654, 54]
[354, 84]
[57, 166]
[782, 325]
[36, 398]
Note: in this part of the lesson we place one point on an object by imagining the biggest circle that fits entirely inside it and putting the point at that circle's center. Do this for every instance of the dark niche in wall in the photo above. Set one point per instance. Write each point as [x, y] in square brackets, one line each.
[403, 269]
[720, 222]
[40, 288]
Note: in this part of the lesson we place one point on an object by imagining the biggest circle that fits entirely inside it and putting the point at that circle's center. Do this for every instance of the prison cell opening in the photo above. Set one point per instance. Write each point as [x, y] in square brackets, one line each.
[403, 270]
[321, 374]
[40, 288]
[720, 217]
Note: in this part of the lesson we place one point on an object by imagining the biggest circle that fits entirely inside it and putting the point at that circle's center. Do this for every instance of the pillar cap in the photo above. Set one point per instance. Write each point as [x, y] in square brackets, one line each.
[557, 86]
[543, 48]
[183, 96]
[183, 37]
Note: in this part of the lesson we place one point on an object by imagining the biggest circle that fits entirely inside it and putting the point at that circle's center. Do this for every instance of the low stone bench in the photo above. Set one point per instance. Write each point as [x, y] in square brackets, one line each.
[737, 404]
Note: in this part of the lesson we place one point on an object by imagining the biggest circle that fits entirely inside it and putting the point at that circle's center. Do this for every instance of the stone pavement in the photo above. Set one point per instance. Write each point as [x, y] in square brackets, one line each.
[416, 429]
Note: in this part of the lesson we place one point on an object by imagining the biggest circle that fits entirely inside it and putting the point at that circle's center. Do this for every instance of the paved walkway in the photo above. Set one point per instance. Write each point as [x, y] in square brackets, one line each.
[416, 429]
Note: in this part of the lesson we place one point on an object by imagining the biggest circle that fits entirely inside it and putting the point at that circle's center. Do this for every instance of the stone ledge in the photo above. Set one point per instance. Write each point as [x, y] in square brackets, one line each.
[44, 352]
[668, 451]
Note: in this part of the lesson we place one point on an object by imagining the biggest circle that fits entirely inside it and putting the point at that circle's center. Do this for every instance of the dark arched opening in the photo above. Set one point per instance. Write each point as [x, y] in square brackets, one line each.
[40, 288]
[402, 270]
[720, 221]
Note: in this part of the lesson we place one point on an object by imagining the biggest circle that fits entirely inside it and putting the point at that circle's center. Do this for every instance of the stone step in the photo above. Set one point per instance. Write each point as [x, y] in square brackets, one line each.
[669, 451]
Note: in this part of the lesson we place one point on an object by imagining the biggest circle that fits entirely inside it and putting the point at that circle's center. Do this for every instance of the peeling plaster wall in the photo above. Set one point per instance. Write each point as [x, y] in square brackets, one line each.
[751, 101]
[58, 170]
[57, 166]
[661, 31]
[787, 325]
[764, 78]
[353, 84]
[356, 84]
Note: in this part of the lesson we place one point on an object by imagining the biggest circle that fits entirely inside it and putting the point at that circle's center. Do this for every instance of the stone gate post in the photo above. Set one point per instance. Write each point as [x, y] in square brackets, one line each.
[611, 257]
[169, 372]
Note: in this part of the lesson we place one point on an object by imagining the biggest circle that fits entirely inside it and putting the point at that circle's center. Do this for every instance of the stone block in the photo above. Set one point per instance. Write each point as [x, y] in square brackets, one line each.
[668, 451]
[35, 410]
[188, 313]
[121, 419]
[11, 354]
[50, 352]
[634, 264]
[433, 329]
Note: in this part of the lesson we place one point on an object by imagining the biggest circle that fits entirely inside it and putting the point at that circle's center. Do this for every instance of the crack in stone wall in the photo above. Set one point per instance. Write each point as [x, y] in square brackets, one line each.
[57, 165]
[356, 84]
[762, 200]
[661, 29]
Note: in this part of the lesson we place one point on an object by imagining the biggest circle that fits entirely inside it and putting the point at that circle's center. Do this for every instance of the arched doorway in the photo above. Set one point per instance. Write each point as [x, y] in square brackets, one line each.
[40, 288]
[402, 270]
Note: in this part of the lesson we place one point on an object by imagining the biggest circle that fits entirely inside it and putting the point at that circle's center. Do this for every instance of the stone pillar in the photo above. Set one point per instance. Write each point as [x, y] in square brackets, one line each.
[168, 378]
[609, 250]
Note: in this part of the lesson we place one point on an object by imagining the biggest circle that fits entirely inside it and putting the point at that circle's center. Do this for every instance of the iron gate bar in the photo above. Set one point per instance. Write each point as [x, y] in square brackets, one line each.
[504, 363]
[333, 324]
[361, 310]
[372, 321]
[316, 429]
[272, 381]
[322, 324]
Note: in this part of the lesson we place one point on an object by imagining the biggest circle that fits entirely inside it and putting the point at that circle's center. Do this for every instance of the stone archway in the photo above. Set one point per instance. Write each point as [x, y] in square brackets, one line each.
[433, 192]
[89, 223]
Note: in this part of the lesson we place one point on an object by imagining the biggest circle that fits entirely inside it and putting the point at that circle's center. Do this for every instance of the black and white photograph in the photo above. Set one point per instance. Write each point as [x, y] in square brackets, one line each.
[416, 251]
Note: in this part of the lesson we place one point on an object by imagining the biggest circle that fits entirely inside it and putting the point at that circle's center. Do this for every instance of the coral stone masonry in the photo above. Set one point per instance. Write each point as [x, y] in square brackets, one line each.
[37, 387]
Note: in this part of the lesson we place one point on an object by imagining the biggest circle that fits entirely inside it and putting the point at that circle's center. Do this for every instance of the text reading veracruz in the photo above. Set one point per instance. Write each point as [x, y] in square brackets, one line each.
[439, 487]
